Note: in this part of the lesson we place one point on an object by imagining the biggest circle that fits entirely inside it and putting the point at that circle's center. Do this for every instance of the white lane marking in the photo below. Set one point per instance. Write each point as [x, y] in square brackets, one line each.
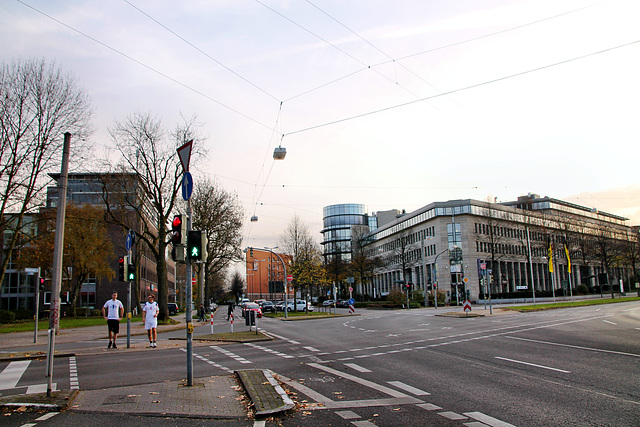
[10, 376]
[611, 323]
[260, 423]
[356, 367]
[283, 338]
[311, 349]
[408, 388]
[74, 383]
[452, 415]
[361, 381]
[47, 416]
[577, 346]
[268, 350]
[429, 406]
[493, 422]
[211, 362]
[348, 415]
[534, 365]
[363, 423]
[230, 354]
[41, 388]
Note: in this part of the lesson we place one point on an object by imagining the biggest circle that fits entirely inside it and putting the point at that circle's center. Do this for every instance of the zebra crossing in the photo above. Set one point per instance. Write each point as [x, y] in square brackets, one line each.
[29, 376]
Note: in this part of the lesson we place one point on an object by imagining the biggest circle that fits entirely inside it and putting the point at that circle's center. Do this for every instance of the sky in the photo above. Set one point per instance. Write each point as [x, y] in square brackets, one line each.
[393, 105]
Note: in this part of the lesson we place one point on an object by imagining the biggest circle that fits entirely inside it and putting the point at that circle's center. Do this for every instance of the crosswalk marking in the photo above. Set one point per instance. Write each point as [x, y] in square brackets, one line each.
[493, 422]
[408, 388]
[357, 367]
[268, 350]
[10, 376]
[230, 354]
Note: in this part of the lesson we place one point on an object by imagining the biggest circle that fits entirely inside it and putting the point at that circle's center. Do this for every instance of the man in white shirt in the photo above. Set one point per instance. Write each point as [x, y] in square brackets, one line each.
[150, 316]
[113, 310]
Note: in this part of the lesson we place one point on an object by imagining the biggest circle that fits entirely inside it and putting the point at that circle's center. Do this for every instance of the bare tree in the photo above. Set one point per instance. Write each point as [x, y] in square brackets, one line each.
[147, 184]
[220, 214]
[362, 264]
[306, 261]
[38, 104]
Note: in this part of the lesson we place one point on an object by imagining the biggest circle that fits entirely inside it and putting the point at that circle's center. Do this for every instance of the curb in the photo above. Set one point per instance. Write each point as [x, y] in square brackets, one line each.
[267, 396]
[59, 401]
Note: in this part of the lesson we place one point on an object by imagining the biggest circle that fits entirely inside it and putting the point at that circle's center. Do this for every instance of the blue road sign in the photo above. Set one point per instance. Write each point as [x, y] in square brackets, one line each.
[128, 240]
[351, 301]
[187, 186]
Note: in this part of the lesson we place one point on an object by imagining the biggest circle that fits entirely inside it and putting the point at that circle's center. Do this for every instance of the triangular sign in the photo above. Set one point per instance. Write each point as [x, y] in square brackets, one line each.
[184, 153]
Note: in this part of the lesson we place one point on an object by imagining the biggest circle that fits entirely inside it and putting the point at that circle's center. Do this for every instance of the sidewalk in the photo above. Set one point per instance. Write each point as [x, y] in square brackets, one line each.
[217, 397]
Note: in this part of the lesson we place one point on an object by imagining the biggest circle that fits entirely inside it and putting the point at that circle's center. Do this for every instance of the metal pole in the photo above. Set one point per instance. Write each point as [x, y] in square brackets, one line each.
[35, 331]
[129, 312]
[56, 279]
[189, 297]
[533, 286]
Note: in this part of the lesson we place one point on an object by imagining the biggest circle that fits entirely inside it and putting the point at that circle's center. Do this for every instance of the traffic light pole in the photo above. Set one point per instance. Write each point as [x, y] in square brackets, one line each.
[128, 301]
[188, 296]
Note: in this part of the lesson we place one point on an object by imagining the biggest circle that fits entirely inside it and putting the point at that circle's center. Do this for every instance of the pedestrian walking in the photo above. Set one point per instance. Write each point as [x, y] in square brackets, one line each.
[112, 311]
[150, 317]
[229, 310]
[201, 314]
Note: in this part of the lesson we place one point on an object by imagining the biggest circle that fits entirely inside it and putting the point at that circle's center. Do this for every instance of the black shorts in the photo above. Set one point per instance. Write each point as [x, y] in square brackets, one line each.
[113, 325]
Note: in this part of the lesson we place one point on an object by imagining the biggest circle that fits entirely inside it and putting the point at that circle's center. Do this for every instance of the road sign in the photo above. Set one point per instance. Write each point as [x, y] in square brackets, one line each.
[184, 153]
[483, 266]
[128, 241]
[187, 186]
[351, 301]
[289, 278]
[467, 305]
[465, 280]
[350, 289]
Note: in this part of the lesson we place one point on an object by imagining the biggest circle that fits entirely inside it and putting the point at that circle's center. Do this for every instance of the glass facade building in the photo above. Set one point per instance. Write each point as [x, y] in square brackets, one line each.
[337, 225]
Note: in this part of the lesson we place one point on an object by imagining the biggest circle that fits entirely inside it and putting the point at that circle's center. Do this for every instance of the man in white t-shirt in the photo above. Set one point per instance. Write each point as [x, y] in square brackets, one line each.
[150, 316]
[113, 310]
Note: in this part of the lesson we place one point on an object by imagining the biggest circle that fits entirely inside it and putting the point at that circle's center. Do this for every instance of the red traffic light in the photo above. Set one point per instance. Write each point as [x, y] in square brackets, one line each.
[177, 222]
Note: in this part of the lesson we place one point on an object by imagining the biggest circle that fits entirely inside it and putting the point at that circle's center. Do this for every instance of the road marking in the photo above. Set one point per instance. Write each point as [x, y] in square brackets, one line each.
[41, 388]
[363, 423]
[611, 323]
[260, 423]
[577, 346]
[284, 339]
[230, 354]
[534, 365]
[452, 415]
[356, 367]
[311, 349]
[493, 422]
[348, 415]
[361, 381]
[269, 350]
[408, 388]
[74, 384]
[429, 406]
[10, 376]
[211, 362]
[47, 416]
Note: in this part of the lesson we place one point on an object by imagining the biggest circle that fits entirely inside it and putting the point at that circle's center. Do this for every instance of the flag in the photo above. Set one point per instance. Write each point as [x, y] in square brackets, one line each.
[550, 257]
[566, 251]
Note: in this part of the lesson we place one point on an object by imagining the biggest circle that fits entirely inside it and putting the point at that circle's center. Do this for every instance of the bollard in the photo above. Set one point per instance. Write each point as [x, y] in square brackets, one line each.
[212, 323]
[231, 322]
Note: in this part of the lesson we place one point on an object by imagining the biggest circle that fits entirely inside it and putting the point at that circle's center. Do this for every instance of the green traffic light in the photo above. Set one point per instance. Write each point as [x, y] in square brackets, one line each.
[194, 252]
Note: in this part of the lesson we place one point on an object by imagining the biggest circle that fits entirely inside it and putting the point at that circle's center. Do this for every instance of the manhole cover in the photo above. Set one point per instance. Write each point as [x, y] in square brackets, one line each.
[115, 399]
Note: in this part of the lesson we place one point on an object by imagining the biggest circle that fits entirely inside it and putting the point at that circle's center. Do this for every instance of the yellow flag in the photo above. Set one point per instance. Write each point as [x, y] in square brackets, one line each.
[566, 251]
[550, 257]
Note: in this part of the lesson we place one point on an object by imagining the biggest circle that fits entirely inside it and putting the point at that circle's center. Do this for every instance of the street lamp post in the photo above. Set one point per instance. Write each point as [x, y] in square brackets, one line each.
[435, 296]
[284, 279]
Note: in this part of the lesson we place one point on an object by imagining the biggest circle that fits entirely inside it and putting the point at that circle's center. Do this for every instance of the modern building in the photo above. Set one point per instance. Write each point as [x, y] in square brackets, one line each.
[266, 275]
[87, 188]
[458, 245]
[339, 222]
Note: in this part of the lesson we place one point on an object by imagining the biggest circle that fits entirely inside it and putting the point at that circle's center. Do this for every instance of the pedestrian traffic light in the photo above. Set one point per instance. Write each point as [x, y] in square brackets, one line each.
[122, 269]
[197, 245]
[41, 284]
[131, 273]
[179, 230]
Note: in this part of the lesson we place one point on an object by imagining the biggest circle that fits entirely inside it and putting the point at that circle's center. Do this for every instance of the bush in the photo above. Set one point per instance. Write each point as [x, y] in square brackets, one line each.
[7, 316]
[24, 314]
[582, 289]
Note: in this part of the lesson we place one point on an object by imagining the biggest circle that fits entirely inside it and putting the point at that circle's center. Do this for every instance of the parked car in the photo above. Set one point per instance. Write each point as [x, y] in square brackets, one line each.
[300, 305]
[342, 303]
[268, 307]
[327, 303]
[243, 302]
[252, 306]
[173, 308]
[280, 306]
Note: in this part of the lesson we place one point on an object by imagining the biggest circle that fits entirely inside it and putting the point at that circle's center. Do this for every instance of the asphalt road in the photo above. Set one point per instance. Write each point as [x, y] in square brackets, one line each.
[578, 366]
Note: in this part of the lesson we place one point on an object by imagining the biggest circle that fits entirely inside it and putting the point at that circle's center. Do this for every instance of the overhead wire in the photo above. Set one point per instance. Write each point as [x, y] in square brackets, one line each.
[450, 92]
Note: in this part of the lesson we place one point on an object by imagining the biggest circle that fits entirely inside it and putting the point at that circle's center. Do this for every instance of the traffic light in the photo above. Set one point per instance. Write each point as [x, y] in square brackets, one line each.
[122, 267]
[177, 253]
[179, 230]
[131, 273]
[197, 245]
[41, 284]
